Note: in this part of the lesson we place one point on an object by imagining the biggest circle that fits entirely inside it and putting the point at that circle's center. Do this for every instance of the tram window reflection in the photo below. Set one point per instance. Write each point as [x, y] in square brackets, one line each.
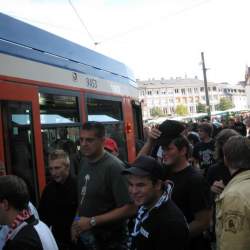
[109, 112]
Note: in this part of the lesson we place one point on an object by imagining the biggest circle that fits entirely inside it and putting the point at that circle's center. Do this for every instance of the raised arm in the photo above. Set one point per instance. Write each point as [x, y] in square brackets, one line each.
[153, 135]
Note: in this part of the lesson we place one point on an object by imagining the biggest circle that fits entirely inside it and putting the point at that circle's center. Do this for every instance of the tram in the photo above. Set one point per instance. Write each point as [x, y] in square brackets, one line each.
[49, 84]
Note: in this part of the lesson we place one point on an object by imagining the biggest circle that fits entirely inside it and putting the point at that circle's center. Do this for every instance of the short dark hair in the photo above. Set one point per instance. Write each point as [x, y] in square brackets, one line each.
[98, 127]
[15, 191]
[206, 127]
[237, 152]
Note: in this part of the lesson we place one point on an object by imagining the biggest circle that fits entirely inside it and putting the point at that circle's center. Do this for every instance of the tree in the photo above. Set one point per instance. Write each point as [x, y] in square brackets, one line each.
[201, 108]
[225, 103]
[181, 110]
[156, 111]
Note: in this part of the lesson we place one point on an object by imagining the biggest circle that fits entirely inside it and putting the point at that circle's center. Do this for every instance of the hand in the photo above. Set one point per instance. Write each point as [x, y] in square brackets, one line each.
[218, 187]
[74, 233]
[79, 226]
[154, 133]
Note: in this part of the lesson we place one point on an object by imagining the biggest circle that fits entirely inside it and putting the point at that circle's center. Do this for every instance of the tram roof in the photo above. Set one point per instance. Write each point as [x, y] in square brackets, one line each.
[24, 40]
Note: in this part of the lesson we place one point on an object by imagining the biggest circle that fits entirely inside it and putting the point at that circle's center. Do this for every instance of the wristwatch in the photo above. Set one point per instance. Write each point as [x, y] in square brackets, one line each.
[92, 221]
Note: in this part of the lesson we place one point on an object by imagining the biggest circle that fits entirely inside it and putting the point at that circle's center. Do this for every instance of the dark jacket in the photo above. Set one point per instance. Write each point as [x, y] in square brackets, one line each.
[58, 207]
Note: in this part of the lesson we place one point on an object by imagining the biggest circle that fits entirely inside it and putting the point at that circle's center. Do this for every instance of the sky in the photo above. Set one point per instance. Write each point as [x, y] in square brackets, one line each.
[155, 38]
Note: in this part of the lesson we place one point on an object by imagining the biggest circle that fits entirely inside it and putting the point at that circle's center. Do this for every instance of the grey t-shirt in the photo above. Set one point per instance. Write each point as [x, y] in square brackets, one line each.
[102, 187]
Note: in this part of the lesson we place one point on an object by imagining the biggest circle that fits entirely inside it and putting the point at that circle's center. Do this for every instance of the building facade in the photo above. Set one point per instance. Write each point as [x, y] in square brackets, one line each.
[247, 85]
[167, 94]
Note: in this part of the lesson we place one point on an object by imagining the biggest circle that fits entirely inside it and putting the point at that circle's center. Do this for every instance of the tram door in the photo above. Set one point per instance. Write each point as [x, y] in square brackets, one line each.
[138, 125]
[18, 143]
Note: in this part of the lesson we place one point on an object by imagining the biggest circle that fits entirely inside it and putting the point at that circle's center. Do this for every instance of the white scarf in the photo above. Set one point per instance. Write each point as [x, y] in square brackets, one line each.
[143, 212]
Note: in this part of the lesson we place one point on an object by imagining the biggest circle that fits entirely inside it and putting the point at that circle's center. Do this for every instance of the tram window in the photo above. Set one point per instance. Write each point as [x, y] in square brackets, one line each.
[60, 120]
[56, 109]
[109, 112]
[104, 110]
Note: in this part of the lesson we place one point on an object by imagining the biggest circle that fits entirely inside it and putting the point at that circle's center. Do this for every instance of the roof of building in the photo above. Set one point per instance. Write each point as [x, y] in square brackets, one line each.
[181, 82]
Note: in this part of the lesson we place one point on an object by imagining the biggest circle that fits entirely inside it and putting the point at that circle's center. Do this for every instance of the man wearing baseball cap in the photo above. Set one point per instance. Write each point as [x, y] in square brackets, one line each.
[159, 223]
[191, 192]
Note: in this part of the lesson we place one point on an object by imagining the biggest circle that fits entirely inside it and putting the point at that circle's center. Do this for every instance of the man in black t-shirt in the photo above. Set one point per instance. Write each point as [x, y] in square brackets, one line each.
[159, 223]
[203, 152]
[191, 192]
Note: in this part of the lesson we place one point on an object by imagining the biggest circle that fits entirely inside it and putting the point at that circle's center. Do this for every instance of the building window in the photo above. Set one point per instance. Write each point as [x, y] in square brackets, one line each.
[214, 88]
[176, 91]
[202, 89]
[183, 92]
[191, 109]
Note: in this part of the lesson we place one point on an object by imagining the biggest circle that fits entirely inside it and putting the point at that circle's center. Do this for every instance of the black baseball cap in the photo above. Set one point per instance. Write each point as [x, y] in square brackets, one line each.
[170, 129]
[145, 166]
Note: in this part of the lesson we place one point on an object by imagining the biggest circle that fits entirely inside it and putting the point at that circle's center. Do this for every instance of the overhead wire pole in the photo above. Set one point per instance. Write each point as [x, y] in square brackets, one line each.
[83, 24]
[205, 84]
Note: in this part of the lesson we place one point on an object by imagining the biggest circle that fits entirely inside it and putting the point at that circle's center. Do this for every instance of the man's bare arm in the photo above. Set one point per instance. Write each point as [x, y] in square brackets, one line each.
[201, 222]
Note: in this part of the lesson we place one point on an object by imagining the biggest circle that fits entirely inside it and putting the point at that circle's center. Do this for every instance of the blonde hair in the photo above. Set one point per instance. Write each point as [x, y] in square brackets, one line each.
[59, 154]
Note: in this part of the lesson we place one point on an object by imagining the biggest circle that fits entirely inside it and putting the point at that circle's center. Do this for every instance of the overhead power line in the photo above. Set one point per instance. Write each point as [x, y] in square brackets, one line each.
[82, 22]
[145, 25]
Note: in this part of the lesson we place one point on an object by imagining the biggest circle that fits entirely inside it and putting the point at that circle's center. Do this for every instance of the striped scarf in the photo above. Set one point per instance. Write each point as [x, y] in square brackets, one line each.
[18, 223]
[143, 212]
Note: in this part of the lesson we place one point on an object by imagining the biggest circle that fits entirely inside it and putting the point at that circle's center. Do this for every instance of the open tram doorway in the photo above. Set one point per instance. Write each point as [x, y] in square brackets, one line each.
[138, 125]
[17, 148]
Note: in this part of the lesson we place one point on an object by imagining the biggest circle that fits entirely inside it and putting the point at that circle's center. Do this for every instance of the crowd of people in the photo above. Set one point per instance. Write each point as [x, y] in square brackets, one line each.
[187, 190]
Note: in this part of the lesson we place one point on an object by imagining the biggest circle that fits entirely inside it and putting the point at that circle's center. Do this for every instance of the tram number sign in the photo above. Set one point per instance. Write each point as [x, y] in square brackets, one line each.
[91, 83]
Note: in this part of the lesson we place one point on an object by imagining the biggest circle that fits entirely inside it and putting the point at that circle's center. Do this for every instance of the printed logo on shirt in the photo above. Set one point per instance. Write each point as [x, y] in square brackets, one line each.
[233, 222]
[84, 188]
[206, 157]
[144, 232]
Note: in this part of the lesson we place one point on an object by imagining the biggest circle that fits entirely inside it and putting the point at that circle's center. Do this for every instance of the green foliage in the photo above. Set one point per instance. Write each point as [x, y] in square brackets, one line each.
[201, 108]
[156, 111]
[181, 110]
[225, 103]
